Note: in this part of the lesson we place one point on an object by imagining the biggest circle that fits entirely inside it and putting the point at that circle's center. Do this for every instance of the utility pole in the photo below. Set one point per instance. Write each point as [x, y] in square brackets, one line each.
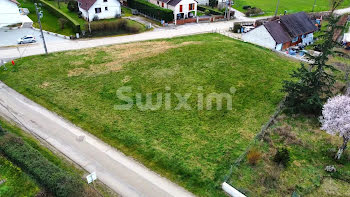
[278, 4]
[41, 29]
[313, 7]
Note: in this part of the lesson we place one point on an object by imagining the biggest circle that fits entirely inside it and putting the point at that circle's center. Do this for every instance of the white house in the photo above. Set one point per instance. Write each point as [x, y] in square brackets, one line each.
[182, 8]
[9, 13]
[203, 2]
[100, 9]
[282, 33]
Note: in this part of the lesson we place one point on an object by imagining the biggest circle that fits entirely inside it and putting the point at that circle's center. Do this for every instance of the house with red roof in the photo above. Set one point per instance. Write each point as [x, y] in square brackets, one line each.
[99, 9]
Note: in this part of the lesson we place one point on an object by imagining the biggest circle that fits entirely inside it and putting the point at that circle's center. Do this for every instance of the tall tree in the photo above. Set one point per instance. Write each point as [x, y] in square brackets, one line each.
[336, 120]
[311, 87]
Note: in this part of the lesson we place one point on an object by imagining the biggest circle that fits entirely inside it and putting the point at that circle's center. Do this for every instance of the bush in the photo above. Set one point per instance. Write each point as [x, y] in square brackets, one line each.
[73, 6]
[45, 172]
[206, 12]
[99, 26]
[253, 11]
[253, 156]
[132, 29]
[212, 11]
[152, 10]
[282, 157]
[2, 131]
[62, 22]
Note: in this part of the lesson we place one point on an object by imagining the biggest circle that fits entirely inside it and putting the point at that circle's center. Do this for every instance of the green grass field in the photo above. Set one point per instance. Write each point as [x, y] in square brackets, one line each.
[17, 182]
[269, 6]
[193, 148]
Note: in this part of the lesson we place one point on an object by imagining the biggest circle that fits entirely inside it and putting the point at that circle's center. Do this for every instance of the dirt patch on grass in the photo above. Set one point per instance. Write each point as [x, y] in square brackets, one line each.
[45, 85]
[119, 55]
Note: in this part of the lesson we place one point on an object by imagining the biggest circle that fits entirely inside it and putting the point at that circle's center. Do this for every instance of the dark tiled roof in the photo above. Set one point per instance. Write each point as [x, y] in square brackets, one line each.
[86, 4]
[174, 2]
[298, 24]
[277, 32]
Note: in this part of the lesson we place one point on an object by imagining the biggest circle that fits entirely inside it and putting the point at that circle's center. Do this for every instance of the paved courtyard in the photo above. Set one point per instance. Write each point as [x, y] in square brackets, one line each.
[10, 37]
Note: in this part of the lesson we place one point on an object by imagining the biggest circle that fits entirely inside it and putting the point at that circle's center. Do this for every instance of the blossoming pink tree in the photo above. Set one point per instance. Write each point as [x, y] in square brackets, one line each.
[336, 120]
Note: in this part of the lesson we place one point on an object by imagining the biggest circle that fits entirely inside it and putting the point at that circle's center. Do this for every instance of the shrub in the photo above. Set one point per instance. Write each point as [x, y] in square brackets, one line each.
[253, 156]
[282, 157]
[99, 26]
[53, 178]
[253, 11]
[62, 22]
[206, 12]
[2, 131]
[212, 11]
[152, 10]
[132, 29]
[73, 6]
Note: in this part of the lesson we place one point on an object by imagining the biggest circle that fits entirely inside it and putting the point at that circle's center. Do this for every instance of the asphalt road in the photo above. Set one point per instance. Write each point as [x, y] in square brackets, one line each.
[121, 173]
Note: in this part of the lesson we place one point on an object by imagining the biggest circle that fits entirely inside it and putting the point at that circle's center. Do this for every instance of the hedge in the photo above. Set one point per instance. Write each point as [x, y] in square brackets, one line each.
[53, 178]
[152, 10]
[71, 22]
[212, 11]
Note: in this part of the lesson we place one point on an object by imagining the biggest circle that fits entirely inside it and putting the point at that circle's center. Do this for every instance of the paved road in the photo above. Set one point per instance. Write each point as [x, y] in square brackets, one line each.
[13, 35]
[123, 174]
[183, 30]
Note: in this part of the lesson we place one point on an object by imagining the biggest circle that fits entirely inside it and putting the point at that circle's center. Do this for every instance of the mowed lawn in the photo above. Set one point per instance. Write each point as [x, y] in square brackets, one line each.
[191, 147]
[292, 6]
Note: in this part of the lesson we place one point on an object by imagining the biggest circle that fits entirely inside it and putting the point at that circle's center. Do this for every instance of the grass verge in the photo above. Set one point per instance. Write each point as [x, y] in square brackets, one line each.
[269, 6]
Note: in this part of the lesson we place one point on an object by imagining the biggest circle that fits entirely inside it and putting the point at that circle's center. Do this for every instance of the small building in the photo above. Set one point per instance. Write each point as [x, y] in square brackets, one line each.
[9, 13]
[280, 34]
[182, 9]
[99, 9]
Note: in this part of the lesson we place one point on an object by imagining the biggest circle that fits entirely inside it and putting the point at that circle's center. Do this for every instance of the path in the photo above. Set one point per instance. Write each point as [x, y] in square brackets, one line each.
[121, 173]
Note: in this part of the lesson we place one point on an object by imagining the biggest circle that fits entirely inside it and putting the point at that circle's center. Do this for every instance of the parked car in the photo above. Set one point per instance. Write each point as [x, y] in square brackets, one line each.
[26, 39]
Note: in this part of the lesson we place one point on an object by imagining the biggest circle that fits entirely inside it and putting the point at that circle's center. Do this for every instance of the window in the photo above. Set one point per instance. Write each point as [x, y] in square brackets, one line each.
[295, 39]
[180, 8]
[162, 4]
[97, 10]
[106, 8]
[104, 0]
[191, 6]
[157, 2]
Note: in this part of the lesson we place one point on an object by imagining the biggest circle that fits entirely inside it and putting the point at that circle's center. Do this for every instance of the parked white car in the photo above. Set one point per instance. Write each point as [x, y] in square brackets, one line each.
[26, 39]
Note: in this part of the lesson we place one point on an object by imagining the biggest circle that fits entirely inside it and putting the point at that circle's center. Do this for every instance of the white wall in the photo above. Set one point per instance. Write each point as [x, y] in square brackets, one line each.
[260, 36]
[185, 7]
[9, 13]
[203, 2]
[113, 9]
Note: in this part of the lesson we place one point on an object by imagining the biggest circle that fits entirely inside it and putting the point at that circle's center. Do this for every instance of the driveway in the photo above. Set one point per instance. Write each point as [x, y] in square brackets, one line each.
[10, 37]
[122, 174]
